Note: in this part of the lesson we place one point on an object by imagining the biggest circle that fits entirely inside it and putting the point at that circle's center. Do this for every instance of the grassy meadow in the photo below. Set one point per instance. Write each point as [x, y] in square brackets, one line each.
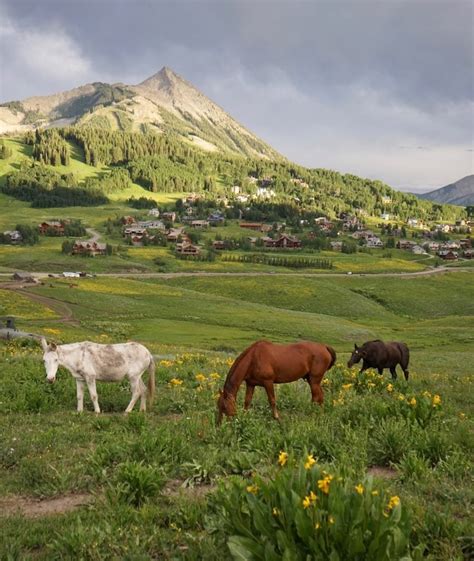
[382, 458]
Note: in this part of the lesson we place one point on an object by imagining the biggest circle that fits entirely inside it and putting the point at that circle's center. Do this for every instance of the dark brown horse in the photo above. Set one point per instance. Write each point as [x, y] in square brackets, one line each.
[380, 355]
[265, 364]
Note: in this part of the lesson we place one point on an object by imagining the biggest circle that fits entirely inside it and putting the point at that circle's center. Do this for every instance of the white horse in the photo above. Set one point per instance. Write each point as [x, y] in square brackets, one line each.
[88, 362]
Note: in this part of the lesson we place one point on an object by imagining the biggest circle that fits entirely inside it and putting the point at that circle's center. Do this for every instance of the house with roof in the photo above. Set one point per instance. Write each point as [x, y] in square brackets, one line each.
[448, 255]
[216, 219]
[170, 216]
[285, 241]
[89, 247]
[187, 248]
[154, 212]
[201, 224]
[53, 226]
[336, 246]
[374, 242]
[13, 236]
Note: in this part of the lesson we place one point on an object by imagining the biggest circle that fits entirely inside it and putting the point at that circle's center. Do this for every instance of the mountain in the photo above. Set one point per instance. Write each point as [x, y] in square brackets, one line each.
[164, 102]
[459, 193]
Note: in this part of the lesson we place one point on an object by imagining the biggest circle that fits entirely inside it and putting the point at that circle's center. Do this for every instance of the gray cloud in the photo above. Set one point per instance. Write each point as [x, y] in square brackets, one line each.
[347, 85]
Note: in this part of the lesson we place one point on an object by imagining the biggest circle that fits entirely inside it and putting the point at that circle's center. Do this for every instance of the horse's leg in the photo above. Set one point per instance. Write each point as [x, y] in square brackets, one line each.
[406, 373]
[135, 385]
[271, 398]
[317, 394]
[80, 395]
[142, 395]
[93, 393]
[248, 395]
[380, 370]
[393, 372]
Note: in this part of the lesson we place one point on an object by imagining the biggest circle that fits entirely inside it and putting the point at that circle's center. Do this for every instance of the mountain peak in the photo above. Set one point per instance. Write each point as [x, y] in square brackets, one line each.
[164, 79]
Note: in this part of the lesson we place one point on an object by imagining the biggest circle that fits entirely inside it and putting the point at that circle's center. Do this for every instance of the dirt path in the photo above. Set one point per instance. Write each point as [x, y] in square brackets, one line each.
[35, 508]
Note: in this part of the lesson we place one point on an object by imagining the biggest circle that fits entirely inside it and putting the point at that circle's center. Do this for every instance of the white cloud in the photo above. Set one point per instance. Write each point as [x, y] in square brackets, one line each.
[47, 57]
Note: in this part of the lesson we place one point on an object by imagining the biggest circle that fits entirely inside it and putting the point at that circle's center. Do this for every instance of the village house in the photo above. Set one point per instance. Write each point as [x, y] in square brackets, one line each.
[174, 233]
[386, 200]
[186, 248]
[191, 199]
[285, 241]
[336, 246]
[445, 228]
[418, 250]
[449, 245]
[13, 236]
[468, 253]
[363, 235]
[448, 255]
[257, 226]
[374, 242]
[151, 224]
[170, 216]
[242, 198]
[216, 219]
[89, 247]
[431, 246]
[465, 243]
[56, 226]
[128, 220]
[405, 244]
[218, 245]
[265, 193]
[154, 212]
[202, 224]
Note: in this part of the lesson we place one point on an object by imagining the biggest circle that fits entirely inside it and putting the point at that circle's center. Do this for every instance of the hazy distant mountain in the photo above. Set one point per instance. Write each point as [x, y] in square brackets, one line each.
[459, 193]
[164, 102]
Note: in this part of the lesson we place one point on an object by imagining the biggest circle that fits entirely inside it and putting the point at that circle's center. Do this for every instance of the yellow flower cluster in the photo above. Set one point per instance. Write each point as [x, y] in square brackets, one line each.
[392, 503]
[309, 499]
[310, 461]
[282, 458]
[174, 382]
[200, 378]
[359, 488]
[390, 388]
[252, 489]
[347, 386]
[323, 484]
[166, 363]
[436, 400]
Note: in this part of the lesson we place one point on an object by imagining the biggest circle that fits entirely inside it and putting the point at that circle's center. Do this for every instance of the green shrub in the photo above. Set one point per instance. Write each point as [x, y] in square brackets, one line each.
[303, 512]
[135, 483]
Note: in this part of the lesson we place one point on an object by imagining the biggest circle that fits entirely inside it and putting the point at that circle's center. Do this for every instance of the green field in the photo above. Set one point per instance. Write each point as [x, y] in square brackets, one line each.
[157, 486]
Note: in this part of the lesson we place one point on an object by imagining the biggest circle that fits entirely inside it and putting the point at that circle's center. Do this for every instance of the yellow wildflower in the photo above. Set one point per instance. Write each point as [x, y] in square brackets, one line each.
[176, 382]
[252, 489]
[323, 484]
[310, 461]
[375, 493]
[215, 376]
[392, 503]
[370, 385]
[359, 488]
[275, 511]
[347, 386]
[462, 415]
[309, 499]
[401, 397]
[390, 388]
[331, 520]
[282, 458]
[426, 394]
[317, 526]
[200, 378]
[413, 401]
[436, 400]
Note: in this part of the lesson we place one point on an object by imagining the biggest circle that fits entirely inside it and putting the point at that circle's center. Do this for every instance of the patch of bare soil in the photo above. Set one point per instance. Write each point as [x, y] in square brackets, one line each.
[175, 488]
[36, 508]
[383, 472]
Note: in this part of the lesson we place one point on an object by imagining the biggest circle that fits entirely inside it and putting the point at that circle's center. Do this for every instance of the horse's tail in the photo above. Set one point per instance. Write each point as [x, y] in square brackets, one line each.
[151, 381]
[405, 354]
[332, 352]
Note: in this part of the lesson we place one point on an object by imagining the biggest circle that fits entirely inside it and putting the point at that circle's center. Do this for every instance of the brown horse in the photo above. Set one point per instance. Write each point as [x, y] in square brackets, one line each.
[380, 355]
[265, 364]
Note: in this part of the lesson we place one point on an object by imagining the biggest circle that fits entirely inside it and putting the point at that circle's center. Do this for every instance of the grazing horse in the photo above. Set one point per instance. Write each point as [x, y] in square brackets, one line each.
[380, 355]
[88, 362]
[265, 364]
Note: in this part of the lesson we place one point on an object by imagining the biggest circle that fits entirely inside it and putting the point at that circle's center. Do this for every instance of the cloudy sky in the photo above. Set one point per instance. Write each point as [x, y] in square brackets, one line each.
[382, 89]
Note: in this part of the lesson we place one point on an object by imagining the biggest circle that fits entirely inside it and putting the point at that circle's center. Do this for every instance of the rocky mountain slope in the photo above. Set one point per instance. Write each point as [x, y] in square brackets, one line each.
[459, 193]
[164, 102]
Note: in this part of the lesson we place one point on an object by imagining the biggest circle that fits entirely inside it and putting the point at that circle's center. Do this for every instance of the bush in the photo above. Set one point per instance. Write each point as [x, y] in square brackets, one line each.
[303, 512]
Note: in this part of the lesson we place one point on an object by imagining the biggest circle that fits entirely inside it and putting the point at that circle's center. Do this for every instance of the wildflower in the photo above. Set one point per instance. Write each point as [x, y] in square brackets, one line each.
[426, 394]
[436, 400]
[252, 489]
[323, 484]
[375, 493]
[390, 388]
[282, 458]
[230, 361]
[200, 378]
[317, 526]
[326, 382]
[310, 461]
[166, 363]
[215, 376]
[392, 503]
[331, 520]
[347, 386]
[462, 415]
[275, 511]
[401, 397]
[370, 385]
[309, 499]
[413, 401]
[359, 488]
[176, 382]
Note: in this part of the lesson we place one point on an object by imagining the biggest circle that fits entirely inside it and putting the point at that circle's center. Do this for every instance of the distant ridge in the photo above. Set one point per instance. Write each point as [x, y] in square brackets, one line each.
[164, 102]
[459, 193]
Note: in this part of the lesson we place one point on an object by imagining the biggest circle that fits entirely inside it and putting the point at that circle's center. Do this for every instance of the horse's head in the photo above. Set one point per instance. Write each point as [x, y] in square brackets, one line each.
[51, 360]
[225, 406]
[357, 355]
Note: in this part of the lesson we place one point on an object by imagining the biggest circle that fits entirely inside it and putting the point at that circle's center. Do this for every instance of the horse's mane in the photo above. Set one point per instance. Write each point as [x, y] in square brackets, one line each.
[237, 361]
